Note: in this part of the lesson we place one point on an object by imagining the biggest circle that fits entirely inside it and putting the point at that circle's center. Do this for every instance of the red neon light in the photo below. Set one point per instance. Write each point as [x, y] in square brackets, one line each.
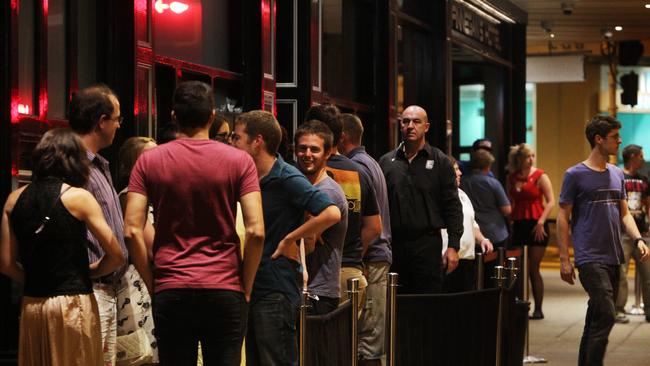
[14, 110]
[46, 6]
[176, 6]
[14, 170]
[23, 109]
[14, 4]
[42, 104]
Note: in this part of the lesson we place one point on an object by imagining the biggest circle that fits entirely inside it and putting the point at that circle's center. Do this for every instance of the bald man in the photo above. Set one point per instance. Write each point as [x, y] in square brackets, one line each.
[423, 199]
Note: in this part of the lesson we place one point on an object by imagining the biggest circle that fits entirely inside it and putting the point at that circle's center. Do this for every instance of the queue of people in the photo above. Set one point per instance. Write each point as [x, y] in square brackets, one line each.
[162, 260]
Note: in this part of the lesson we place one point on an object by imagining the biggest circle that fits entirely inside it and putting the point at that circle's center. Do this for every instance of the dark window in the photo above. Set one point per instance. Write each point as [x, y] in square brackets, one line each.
[56, 59]
[349, 49]
[26, 57]
[86, 43]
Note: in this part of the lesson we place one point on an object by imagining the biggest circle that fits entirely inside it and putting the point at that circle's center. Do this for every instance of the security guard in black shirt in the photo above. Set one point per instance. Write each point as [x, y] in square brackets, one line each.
[423, 199]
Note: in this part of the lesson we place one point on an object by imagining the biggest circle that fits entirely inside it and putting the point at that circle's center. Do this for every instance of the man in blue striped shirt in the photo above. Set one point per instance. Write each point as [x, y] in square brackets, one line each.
[95, 117]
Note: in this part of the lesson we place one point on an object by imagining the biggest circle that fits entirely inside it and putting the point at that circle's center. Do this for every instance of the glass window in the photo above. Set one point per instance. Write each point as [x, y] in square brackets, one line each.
[417, 8]
[531, 110]
[348, 46]
[26, 66]
[472, 113]
[86, 43]
[205, 32]
[413, 66]
[286, 40]
[56, 60]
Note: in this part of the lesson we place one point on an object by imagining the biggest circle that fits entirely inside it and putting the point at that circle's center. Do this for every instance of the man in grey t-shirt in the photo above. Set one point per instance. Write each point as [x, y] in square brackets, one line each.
[313, 141]
[593, 196]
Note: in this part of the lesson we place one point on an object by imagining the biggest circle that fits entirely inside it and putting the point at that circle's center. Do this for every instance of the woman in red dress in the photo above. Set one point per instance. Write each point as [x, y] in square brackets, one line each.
[527, 187]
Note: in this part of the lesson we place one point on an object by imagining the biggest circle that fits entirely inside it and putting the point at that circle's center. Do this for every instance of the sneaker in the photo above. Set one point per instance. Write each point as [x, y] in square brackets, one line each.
[621, 318]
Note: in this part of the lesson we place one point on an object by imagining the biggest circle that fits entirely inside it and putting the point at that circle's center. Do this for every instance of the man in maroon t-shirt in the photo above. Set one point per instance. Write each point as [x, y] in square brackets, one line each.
[200, 282]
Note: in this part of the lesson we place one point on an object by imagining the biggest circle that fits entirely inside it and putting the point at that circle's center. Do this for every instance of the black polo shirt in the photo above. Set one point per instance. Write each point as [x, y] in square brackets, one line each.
[422, 195]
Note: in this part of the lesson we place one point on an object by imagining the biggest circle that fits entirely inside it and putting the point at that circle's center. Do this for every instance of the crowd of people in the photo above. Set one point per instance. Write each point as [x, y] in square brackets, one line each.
[162, 262]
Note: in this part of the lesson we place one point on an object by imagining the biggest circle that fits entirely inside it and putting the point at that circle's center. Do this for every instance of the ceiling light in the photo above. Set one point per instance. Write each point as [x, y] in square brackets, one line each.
[552, 35]
[647, 6]
[618, 28]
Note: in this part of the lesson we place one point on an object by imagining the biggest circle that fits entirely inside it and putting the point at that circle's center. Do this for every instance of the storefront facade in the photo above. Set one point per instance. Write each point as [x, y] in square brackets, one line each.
[369, 57]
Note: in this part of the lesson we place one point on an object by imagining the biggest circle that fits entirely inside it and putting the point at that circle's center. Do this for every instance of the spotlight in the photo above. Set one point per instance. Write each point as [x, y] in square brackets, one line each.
[647, 6]
[618, 28]
[606, 33]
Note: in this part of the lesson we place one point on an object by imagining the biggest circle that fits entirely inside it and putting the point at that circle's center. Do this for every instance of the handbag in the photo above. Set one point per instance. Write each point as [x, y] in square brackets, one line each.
[133, 349]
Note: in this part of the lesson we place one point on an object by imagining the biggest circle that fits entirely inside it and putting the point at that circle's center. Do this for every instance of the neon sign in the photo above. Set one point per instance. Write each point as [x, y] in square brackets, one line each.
[175, 6]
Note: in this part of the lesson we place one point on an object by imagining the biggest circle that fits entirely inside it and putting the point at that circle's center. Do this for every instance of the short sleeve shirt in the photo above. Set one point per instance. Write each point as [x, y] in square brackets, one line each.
[596, 216]
[194, 186]
[286, 196]
[638, 190]
[380, 250]
[361, 202]
[324, 263]
[487, 196]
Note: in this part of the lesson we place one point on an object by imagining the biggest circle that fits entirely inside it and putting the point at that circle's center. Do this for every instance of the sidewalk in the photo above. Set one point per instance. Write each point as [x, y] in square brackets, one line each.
[557, 337]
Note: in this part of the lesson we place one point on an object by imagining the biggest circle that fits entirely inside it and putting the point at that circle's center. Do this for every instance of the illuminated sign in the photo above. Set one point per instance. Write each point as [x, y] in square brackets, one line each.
[175, 6]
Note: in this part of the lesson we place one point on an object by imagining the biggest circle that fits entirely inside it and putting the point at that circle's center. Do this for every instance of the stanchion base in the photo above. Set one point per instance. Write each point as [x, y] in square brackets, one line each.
[533, 359]
[635, 310]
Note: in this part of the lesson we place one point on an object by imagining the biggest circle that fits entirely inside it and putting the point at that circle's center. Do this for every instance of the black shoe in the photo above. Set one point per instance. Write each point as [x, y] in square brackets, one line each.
[537, 315]
[647, 318]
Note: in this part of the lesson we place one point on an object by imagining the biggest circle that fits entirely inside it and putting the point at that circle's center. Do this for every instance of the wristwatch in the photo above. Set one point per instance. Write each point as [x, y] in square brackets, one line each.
[636, 241]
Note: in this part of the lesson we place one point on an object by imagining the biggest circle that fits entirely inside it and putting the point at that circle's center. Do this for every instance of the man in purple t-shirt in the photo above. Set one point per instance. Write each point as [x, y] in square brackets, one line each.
[593, 196]
[201, 283]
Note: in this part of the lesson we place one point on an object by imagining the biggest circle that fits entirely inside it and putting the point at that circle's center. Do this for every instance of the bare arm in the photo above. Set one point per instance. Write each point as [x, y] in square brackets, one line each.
[134, 220]
[251, 205]
[563, 241]
[317, 224]
[547, 189]
[370, 230]
[505, 210]
[632, 230]
[84, 206]
[149, 231]
[485, 243]
[545, 186]
[8, 243]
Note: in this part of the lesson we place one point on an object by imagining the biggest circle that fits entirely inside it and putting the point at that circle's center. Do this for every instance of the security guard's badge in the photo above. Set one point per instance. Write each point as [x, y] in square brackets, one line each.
[429, 164]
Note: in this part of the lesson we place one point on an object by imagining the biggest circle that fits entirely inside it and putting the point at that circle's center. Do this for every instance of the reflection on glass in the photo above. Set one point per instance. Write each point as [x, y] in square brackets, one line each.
[26, 71]
[56, 60]
[205, 32]
[472, 113]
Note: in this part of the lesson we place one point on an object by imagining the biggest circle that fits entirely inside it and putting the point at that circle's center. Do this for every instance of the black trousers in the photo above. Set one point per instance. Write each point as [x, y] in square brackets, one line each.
[419, 264]
[183, 317]
[601, 283]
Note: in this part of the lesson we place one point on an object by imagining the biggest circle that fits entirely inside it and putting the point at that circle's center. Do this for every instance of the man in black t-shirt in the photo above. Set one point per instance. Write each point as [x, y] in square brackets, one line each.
[638, 201]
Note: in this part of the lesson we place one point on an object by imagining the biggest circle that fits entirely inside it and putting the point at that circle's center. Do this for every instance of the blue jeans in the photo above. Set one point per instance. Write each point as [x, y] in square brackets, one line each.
[183, 317]
[271, 338]
[601, 283]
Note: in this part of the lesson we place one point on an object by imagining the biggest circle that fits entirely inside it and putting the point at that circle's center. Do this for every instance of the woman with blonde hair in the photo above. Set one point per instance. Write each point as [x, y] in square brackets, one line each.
[527, 187]
[135, 301]
[43, 245]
